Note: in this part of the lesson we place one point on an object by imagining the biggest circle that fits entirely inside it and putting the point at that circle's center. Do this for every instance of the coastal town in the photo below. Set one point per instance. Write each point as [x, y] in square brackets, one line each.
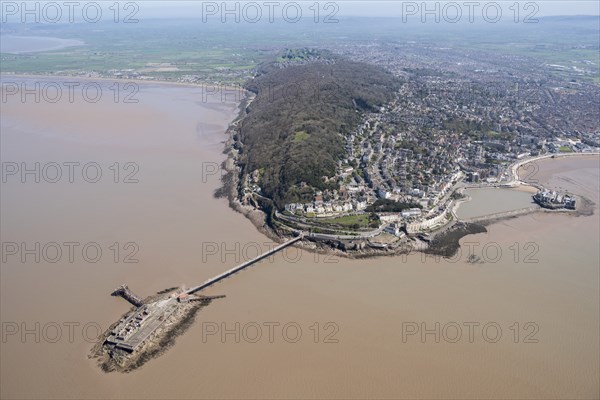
[407, 162]
[344, 216]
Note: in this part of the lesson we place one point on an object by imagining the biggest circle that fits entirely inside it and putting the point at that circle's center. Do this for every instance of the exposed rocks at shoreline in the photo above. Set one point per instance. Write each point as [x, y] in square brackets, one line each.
[447, 243]
[585, 209]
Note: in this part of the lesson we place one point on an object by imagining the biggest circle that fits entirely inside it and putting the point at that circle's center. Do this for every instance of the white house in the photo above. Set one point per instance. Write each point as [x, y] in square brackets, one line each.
[393, 229]
[411, 212]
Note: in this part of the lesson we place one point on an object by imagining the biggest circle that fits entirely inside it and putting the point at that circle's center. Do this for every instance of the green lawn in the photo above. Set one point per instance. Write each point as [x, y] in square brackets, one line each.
[347, 221]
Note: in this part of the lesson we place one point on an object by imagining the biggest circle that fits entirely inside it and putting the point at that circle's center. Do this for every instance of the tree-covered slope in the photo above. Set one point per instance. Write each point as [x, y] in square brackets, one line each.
[305, 104]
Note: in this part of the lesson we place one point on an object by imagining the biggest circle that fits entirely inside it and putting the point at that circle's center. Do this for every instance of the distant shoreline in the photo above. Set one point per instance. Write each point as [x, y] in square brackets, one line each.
[42, 44]
[190, 85]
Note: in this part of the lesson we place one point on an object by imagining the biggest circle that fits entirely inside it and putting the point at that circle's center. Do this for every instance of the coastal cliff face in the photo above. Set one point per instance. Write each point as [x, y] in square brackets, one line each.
[292, 135]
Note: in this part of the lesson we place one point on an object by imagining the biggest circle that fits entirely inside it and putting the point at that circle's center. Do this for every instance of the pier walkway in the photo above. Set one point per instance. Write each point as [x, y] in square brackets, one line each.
[134, 330]
[242, 266]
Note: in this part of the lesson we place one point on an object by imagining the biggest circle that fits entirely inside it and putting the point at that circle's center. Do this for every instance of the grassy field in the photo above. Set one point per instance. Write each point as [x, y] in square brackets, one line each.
[348, 221]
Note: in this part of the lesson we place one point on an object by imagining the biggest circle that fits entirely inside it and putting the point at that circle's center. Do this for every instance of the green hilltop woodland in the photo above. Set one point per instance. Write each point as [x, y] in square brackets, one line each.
[306, 102]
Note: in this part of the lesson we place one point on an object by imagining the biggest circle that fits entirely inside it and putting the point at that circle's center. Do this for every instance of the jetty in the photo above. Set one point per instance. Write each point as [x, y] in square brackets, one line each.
[128, 295]
[244, 265]
[131, 332]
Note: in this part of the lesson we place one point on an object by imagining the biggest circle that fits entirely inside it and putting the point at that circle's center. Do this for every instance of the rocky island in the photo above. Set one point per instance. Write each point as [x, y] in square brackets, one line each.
[148, 329]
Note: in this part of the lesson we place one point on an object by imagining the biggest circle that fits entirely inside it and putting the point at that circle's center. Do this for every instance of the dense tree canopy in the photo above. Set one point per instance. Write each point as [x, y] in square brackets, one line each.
[293, 132]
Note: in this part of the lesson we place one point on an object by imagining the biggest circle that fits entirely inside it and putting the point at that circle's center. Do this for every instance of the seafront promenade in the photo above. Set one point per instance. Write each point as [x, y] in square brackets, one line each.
[446, 214]
[515, 166]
